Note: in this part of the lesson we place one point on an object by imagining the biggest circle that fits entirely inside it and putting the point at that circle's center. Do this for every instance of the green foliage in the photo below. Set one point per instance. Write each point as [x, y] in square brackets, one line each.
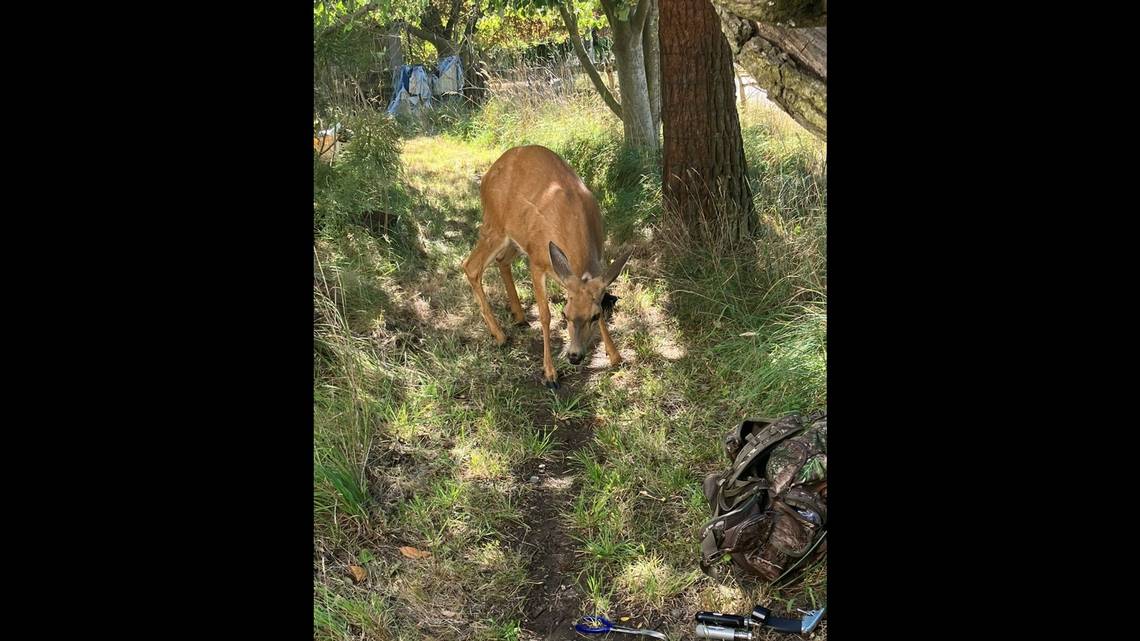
[363, 181]
[514, 26]
[425, 432]
[328, 12]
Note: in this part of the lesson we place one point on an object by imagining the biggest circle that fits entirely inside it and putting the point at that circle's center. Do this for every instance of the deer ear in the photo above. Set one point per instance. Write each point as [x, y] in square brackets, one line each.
[615, 267]
[560, 263]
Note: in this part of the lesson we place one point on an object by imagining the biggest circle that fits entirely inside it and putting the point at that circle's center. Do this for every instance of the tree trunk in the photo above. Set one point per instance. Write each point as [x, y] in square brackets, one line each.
[443, 46]
[651, 43]
[792, 13]
[703, 175]
[473, 67]
[789, 63]
[629, 55]
[637, 116]
[395, 49]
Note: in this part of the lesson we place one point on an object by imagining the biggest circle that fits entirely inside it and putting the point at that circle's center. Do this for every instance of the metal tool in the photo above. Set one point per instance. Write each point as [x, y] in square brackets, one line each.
[714, 625]
[726, 634]
[602, 625]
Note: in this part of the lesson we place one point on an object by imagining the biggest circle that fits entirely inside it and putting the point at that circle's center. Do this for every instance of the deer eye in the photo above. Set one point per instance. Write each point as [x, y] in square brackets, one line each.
[596, 317]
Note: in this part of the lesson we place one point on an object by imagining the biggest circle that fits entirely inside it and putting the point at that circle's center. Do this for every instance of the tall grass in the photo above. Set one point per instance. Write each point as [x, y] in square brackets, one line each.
[423, 427]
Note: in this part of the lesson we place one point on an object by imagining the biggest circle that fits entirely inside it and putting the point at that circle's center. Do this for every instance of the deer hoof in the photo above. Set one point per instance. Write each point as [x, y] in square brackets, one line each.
[551, 384]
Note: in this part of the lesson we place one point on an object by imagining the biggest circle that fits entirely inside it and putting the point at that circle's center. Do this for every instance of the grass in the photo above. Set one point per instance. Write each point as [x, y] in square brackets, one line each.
[426, 432]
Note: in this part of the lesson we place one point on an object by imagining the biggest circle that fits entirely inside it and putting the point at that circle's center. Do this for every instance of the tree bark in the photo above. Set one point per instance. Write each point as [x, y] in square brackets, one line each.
[651, 43]
[473, 66]
[703, 172]
[629, 55]
[792, 13]
[395, 49]
[790, 64]
[583, 57]
[453, 19]
[741, 96]
[444, 46]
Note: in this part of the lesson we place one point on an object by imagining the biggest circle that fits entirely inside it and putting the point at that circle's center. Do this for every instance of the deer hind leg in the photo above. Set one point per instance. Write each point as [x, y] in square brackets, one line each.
[504, 259]
[484, 252]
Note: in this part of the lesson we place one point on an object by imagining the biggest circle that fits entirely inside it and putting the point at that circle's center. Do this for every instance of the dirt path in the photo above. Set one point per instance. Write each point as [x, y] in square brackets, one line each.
[444, 171]
[553, 600]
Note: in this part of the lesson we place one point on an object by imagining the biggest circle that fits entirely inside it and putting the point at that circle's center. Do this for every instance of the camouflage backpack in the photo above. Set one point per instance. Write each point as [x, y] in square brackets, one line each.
[770, 508]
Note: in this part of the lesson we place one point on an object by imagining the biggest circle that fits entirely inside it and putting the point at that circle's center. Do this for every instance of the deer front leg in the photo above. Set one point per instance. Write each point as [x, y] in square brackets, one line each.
[550, 376]
[611, 349]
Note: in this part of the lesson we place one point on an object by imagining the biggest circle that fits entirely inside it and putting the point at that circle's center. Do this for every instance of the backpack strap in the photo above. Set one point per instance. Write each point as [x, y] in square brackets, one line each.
[819, 547]
[735, 438]
[757, 444]
[716, 531]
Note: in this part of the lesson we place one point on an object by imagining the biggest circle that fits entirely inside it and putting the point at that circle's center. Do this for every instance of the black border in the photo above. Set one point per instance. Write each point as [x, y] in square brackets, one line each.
[904, 368]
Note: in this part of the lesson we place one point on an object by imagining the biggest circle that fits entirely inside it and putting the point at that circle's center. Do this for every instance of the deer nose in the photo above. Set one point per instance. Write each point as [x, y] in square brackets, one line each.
[575, 358]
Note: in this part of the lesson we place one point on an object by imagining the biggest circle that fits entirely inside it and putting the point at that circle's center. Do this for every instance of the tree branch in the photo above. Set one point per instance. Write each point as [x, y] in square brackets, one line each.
[608, 9]
[637, 20]
[790, 64]
[445, 46]
[591, 71]
[452, 20]
[793, 13]
[347, 18]
[807, 46]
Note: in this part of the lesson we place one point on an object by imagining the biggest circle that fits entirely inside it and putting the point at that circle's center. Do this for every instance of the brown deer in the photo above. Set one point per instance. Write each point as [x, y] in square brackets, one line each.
[534, 203]
[327, 146]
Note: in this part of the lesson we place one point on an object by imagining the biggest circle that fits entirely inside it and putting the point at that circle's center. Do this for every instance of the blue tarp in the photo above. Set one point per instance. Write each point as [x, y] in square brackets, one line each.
[413, 91]
[415, 87]
[449, 76]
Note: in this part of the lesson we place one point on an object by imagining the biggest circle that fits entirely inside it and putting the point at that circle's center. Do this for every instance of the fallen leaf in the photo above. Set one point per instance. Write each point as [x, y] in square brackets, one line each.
[624, 619]
[358, 573]
[413, 553]
[448, 613]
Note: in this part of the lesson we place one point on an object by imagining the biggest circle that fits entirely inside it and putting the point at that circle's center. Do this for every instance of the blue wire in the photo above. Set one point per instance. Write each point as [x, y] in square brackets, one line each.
[594, 625]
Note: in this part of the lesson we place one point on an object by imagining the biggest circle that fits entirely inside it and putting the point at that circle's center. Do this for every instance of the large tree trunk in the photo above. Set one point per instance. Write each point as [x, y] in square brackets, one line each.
[793, 13]
[703, 175]
[789, 63]
[629, 55]
[651, 43]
